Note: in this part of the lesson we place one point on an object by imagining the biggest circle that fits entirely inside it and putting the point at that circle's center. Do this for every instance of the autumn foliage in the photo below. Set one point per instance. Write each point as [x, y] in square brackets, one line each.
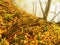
[17, 27]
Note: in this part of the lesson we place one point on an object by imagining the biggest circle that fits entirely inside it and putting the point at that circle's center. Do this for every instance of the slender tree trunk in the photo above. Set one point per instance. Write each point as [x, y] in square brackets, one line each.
[33, 7]
[47, 9]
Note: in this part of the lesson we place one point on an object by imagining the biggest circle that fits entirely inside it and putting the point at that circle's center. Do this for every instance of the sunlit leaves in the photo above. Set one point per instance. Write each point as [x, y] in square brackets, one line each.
[2, 41]
[0, 1]
[8, 17]
[32, 30]
[38, 37]
[17, 14]
[45, 28]
[15, 40]
[56, 29]
[22, 37]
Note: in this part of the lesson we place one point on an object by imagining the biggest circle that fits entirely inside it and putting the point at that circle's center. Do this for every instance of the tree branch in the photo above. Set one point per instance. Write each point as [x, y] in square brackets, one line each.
[47, 8]
[46, 11]
[41, 6]
[55, 16]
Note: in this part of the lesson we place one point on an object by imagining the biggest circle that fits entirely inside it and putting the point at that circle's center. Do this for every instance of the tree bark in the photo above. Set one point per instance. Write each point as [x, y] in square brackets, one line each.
[47, 9]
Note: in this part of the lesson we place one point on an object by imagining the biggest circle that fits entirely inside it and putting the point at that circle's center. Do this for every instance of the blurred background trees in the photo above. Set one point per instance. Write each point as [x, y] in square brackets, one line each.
[46, 9]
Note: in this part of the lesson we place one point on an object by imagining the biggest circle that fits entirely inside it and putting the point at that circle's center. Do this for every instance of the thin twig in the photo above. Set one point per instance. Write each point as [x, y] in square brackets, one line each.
[55, 16]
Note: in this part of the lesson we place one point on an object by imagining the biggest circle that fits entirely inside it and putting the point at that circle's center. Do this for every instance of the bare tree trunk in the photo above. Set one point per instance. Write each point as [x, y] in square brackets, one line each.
[46, 11]
[41, 7]
[33, 7]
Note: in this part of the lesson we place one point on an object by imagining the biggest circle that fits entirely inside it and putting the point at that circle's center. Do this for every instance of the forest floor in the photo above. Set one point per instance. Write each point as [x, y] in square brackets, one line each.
[17, 27]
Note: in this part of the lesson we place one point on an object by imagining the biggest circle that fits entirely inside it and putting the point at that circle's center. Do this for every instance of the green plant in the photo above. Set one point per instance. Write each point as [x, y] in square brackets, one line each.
[8, 17]
[21, 36]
